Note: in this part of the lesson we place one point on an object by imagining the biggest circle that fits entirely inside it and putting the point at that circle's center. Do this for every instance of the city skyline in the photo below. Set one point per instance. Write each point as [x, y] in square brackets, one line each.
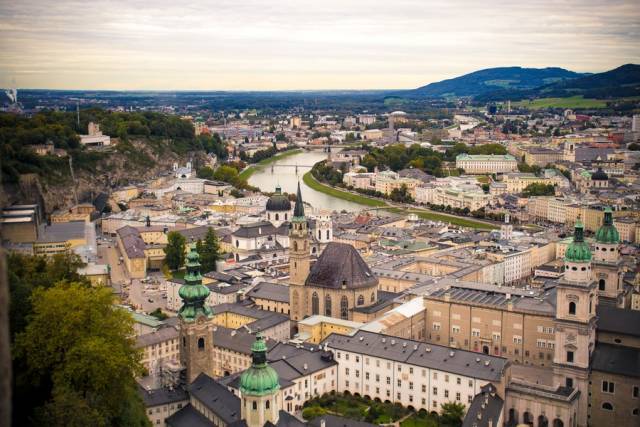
[315, 46]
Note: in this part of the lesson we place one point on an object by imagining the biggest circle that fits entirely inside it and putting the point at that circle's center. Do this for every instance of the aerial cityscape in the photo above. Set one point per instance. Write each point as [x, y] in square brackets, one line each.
[323, 214]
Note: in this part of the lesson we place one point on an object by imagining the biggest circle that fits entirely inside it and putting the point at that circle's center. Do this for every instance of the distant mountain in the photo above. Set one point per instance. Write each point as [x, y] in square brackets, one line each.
[619, 82]
[495, 79]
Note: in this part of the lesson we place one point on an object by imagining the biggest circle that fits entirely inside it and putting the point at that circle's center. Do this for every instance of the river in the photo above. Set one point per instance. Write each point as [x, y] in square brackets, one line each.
[284, 173]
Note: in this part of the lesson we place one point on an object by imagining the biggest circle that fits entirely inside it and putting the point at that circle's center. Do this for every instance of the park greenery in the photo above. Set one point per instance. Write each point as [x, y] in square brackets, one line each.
[175, 250]
[209, 250]
[80, 372]
[539, 189]
[376, 412]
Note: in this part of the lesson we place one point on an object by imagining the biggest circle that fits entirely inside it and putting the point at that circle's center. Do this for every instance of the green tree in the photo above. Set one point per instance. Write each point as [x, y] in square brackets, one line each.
[209, 250]
[80, 372]
[401, 194]
[174, 251]
[205, 173]
[313, 412]
[452, 413]
[539, 189]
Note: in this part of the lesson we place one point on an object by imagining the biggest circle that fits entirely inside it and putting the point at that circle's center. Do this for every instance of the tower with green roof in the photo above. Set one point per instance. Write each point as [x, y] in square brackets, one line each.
[607, 268]
[575, 320]
[259, 387]
[299, 258]
[196, 321]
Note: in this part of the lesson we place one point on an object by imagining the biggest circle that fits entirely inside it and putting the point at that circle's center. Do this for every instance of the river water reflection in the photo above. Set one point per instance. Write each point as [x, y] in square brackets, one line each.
[284, 173]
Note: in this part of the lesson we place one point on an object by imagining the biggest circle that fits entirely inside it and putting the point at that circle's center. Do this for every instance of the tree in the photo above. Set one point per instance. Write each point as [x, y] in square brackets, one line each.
[539, 189]
[209, 250]
[205, 173]
[452, 414]
[401, 194]
[80, 372]
[174, 251]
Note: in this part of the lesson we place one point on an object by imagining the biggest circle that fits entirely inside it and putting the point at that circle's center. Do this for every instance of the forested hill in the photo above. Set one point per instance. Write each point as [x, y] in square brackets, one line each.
[144, 144]
[492, 79]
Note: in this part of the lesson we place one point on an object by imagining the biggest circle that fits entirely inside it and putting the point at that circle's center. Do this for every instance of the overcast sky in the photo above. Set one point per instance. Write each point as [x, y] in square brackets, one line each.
[300, 44]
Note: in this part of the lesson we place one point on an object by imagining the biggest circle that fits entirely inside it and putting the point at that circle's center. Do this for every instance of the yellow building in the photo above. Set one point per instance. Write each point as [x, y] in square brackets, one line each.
[316, 328]
[271, 297]
[98, 274]
[60, 237]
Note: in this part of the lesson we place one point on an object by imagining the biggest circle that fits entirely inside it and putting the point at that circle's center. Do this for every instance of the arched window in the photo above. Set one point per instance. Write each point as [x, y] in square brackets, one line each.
[607, 406]
[277, 217]
[255, 405]
[601, 284]
[327, 305]
[201, 344]
[285, 217]
[572, 307]
[267, 404]
[184, 342]
[360, 299]
[319, 234]
[328, 234]
[315, 304]
[344, 308]
[295, 246]
[373, 297]
[237, 243]
[591, 304]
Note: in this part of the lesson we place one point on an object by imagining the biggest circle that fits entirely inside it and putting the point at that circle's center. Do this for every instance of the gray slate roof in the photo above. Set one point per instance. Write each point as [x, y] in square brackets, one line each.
[618, 320]
[467, 363]
[616, 359]
[188, 417]
[270, 291]
[341, 265]
[216, 397]
[162, 396]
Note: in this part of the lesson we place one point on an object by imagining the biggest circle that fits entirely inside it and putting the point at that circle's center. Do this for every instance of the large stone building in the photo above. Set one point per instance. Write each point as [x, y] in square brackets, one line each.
[486, 164]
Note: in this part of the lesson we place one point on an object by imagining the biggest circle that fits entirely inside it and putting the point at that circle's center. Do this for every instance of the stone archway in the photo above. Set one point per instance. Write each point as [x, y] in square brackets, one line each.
[543, 421]
[558, 423]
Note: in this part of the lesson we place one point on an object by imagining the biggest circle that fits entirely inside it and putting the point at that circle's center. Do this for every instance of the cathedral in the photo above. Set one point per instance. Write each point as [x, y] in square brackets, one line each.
[339, 281]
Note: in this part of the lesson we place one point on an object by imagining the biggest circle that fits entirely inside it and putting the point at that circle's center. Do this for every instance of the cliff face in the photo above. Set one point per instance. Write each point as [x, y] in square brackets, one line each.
[116, 168]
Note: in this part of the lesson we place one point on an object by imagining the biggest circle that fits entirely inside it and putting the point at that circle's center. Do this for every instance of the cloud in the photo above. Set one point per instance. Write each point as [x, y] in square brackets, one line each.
[281, 44]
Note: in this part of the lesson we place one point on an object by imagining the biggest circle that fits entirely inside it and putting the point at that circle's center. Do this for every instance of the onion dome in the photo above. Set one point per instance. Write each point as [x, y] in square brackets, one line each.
[608, 233]
[260, 379]
[278, 202]
[193, 293]
[599, 175]
[578, 250]
[298, 210]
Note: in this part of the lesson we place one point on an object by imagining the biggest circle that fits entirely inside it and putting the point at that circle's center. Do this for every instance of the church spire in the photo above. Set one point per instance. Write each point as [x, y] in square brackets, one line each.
[298, 210]
[193, 292]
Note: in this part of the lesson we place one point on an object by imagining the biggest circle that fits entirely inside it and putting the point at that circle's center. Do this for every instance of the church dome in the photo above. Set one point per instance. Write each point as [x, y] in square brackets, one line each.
[260, 379]
[608, 233]
[599, 175]
[278, 202]
[193, 293]
[578, 250]
[341, 266]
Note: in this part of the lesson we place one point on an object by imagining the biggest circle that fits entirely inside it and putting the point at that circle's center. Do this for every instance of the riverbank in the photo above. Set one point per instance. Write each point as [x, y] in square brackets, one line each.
[250, 170]
[310, 180]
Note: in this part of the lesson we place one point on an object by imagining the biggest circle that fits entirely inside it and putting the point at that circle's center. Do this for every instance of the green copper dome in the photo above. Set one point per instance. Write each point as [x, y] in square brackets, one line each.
[608, 233]
[578, 250]
[193, 293]
[260, 379]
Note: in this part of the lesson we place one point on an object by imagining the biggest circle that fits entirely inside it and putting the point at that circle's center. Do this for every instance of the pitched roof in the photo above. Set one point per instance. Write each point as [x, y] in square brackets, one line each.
[485, 409]
[618, 320]
[188, 417]
[216, 397]
[616, 359]
[270, 291]
[341, 265]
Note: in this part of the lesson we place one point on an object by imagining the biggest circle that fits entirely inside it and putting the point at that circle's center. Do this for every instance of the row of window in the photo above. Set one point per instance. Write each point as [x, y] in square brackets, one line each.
[424, 400]
[344, 304]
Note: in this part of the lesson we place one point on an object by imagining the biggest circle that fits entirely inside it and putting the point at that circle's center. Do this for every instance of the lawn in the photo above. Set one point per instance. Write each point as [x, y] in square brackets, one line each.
[354, 407]
[434, 216]
[577, 101]
[309, 179]
[246, 174]
[484, 179]
[421, 419]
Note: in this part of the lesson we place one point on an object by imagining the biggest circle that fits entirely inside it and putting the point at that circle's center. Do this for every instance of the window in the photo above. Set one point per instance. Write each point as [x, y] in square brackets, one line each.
[366, 375]
[410, 385]
[399, 383]
[255, 406]
[424, 388]
[344, 308]
[267, 403]
[435, 391]
[636, 391]
[458, 396]
[200, 344]
[470, 383]
[346, 371]
[601, 284]
[570, 356]
[315, 304]
[572, 307]
[458, 381]
[607, 406]
[446, 393]
[360, 299]
[327, 306]
[373, 297]
[399, 396]
[608, 387]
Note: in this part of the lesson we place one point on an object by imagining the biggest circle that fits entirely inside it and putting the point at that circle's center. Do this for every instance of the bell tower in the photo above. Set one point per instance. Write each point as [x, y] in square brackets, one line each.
[259, 387]
[299, 262]
[607, 270]
[196, 322]
[575, 322]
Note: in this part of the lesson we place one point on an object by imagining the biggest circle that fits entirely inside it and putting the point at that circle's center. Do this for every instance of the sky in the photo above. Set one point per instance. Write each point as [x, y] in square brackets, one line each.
[300, 44]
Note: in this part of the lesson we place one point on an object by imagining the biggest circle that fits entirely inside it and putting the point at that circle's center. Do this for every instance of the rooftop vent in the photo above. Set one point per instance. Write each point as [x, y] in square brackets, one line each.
[361, 338]
[393, 342]
[427, 349]
[486, 362]
[452, 353]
